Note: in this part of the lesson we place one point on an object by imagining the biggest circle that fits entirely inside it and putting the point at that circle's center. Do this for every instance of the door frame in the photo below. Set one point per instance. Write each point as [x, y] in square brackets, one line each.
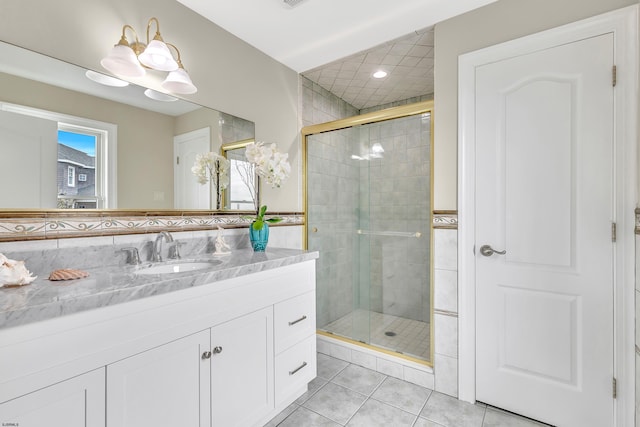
[623, 23]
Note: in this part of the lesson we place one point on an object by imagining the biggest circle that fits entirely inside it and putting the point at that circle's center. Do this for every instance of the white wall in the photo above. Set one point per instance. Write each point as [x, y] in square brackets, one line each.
[495, 23]
[231, 76]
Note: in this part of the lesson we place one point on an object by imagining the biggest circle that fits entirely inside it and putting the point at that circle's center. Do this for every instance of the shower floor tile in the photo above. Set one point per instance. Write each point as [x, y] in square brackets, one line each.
[410, 337]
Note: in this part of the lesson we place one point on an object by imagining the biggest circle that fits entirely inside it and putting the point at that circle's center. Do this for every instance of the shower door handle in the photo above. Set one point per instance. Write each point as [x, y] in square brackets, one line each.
[487, 250]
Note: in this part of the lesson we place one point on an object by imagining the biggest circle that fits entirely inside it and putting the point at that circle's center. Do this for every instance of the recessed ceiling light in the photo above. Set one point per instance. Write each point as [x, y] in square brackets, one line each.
[105, 80]
[380, 74]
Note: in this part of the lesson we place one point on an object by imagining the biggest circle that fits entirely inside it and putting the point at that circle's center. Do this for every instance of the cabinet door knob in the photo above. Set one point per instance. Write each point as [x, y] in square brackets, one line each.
[217, 350]
[206, 355]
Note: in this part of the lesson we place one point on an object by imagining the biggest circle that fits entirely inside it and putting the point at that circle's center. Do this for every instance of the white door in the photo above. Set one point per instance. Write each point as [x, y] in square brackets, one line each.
[544, 194]
[166, 386]
[188, 193]
[76, 402]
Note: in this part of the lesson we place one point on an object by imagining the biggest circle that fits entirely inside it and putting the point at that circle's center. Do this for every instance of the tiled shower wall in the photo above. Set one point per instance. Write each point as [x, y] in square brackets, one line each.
[395, 197]
[320, 106]
[394, 194]
[445, 302]
[332, 205]
[330, 152]
[233, 129]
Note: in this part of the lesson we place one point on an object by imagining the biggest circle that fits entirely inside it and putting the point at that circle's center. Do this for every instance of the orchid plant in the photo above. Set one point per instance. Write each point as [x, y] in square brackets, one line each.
[214, 168]
[273, 167]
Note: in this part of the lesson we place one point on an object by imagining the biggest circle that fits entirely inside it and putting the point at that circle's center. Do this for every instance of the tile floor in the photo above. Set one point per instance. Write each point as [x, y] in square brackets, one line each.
[344, 394]
[411, 336]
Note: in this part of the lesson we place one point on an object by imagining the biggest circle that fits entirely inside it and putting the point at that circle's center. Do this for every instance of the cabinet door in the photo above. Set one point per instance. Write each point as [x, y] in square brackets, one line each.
[242, 370]
[76, 402]
[166, 386]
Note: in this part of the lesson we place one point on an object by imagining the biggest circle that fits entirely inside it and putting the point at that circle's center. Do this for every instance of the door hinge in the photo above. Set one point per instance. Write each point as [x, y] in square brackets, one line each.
[178, 160]
[615, 387]
[613, 232]
[614, 76]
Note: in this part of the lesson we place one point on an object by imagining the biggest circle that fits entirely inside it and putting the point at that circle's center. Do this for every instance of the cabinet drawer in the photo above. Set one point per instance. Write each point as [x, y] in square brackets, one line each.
[294, 320]
[295, 367]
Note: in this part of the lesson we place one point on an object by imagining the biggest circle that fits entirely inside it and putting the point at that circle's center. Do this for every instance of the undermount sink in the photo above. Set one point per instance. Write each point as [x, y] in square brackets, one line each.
[176, 267]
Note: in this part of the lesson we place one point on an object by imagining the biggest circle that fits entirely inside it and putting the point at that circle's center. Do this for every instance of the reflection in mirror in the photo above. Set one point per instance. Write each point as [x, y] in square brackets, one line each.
[243, 192]
[133, 165]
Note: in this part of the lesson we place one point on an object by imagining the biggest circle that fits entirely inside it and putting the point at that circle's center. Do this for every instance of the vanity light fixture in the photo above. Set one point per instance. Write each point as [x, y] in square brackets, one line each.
[130, 59]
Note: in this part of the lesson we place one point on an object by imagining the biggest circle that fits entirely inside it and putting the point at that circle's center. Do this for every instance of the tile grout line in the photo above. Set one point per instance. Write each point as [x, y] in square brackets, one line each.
[367, 396]
[402, 409]
[484, 415]
[424, 406]
[331, 381]
[292, 412]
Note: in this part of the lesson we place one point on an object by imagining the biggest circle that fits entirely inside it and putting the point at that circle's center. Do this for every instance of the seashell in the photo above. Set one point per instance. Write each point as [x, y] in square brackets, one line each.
[67, 274]
[14, 273]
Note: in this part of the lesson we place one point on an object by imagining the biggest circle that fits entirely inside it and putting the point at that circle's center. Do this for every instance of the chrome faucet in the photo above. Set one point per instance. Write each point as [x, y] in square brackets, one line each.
[156, 255]
[133, 256]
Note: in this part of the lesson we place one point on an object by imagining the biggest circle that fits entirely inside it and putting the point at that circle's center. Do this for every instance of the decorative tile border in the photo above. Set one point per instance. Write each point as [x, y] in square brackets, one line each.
[445, 219]
[16, 226]
[449, 220]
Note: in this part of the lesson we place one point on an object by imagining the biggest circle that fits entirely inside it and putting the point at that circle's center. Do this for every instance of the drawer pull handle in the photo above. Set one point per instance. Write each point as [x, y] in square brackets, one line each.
[217, 350]
[206, 355]
[298, 368]
[297, 321]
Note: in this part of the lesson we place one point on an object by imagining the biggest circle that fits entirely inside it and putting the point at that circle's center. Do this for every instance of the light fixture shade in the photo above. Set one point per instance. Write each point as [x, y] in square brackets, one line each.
[159, 96]
[158, 57]
[122, 61]
[178, 81]
[103, 79]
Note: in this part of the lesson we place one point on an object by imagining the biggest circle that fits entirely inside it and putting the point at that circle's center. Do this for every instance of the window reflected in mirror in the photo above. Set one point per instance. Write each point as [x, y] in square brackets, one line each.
[69, 157]
[78, 168]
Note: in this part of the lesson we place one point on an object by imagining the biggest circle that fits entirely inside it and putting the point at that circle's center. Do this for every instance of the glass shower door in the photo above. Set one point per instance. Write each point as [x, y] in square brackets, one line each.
[369, 215]
[333, 192]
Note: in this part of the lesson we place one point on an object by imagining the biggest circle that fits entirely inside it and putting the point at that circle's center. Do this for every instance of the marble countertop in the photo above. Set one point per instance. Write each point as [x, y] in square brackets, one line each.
[44, 299]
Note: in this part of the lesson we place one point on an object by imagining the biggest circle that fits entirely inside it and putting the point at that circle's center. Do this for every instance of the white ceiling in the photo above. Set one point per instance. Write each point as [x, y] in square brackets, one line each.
[316, 32]
[336, 43]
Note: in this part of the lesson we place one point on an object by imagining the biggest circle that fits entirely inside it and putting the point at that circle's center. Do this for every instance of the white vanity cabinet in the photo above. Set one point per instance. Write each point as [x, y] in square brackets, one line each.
[76, 402]
[164, 386]
[232, 353]
[295, 344]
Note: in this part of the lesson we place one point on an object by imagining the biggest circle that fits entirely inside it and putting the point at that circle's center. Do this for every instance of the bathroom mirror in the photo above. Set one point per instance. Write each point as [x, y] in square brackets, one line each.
[132, 157]
[243, 192]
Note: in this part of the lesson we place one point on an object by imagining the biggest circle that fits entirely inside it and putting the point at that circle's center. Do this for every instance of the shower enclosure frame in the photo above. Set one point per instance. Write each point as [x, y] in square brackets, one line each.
[418, 108]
